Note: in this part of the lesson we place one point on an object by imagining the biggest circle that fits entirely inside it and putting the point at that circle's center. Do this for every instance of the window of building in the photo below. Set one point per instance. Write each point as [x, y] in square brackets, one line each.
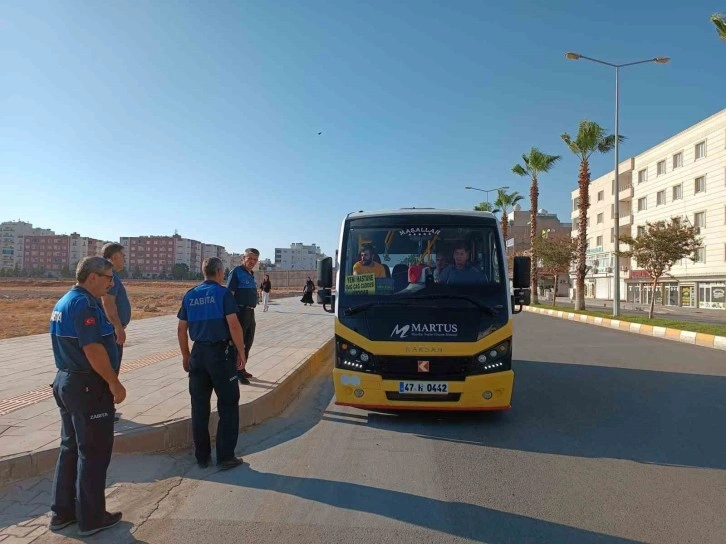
[600, 196]
[612, 235]
[700, 255]
[712, 295]
[700, 150]
[699, 220]
[699, 185]
[677, 160]
[575, 204]
[677, 192]
[643, 175]
[660, 198]
[642, 204]
[641, 230]
[600, 218]
[661, 168]
[598, 241]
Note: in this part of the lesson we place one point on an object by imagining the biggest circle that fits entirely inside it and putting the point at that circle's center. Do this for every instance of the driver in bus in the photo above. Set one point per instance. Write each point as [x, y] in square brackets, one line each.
[367, 265]
[462, 271]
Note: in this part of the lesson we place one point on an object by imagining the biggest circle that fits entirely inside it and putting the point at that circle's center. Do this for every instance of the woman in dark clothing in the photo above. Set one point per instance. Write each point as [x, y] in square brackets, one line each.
[308, 292]
[265, 288]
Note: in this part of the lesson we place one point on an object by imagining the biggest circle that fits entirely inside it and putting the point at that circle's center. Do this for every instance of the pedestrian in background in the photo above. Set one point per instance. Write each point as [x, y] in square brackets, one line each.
[241, 282]
[308, 291]
[265, 288]
[85, 388]
[208, 315]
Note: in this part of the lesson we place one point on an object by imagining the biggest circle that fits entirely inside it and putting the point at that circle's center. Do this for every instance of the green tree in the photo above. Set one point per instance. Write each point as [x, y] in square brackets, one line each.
[124, 274]
[719, 21]
[180, 271]
[535, 163]
[486, 207]
[137, 275]
[65, 271]
[660, 247]
[591, 137]
[226, 273]
[505, 201]
[556, 253]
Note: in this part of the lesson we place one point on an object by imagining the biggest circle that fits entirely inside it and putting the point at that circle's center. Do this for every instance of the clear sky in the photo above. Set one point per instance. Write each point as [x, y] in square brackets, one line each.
[131, 118]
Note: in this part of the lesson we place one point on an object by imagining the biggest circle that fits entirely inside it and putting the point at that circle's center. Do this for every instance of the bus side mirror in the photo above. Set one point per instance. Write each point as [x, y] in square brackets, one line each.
[520, 282]
[521, 278]
[325, 273]
[325, 284]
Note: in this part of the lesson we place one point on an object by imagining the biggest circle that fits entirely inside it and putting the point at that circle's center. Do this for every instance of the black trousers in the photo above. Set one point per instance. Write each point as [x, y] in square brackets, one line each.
[246, 318]
[87, 410]
[214, 368]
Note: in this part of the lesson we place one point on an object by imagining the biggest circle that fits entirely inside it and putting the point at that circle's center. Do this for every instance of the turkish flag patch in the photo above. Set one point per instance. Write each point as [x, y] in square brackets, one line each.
[89, 321]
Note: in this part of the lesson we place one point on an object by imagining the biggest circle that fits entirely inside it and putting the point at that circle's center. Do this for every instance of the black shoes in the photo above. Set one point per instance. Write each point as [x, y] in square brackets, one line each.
[230, 463]
[109, 520]
[203, 464]
[57, 523]
[246, 374]
[242, 378]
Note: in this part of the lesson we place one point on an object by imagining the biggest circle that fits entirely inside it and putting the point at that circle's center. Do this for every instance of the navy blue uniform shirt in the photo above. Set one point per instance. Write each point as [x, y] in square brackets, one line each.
[242, 283]
[205, 308]
[123, 305]
[78, 320]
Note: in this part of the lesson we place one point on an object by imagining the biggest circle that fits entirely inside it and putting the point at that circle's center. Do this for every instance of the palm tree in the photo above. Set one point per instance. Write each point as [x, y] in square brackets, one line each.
[486, 207]
[535, 163]
[506, 201]
[591, 137]
[720, 21]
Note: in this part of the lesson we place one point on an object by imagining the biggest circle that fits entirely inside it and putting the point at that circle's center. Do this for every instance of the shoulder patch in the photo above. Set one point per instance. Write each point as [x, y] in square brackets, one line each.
[89, 321]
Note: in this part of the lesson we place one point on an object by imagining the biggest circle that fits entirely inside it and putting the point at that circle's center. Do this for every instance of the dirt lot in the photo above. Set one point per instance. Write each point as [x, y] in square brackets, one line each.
[25, 305]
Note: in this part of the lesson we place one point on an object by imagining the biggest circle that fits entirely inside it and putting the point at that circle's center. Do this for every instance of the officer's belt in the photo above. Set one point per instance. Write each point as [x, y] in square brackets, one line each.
[218, 343]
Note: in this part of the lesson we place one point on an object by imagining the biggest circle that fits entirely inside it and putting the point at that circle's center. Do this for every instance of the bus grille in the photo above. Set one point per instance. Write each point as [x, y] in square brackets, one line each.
[406, 368]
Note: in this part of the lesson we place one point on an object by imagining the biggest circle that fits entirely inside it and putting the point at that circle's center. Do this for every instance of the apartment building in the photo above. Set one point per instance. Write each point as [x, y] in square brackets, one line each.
[51, 254]
[519, 229]
[685, 177]
[11, 233]
[150, 256]
[298, 257]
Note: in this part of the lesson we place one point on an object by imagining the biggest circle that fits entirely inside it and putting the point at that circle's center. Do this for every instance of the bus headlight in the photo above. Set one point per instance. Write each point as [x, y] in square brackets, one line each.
[350, 357]
[495, 359]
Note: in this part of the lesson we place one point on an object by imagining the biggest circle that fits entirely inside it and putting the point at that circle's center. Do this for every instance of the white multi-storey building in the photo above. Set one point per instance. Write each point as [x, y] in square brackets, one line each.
[685, 177]
[298, 257]
[11, 233]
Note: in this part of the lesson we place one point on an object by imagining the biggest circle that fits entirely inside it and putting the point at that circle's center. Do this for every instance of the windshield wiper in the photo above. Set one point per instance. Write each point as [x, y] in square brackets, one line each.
[361, 307]
[483, 307]
[403, 301]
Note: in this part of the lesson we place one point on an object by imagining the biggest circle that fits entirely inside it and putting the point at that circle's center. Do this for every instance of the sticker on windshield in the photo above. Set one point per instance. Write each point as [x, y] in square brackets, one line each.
[419, 232]
[362, 284]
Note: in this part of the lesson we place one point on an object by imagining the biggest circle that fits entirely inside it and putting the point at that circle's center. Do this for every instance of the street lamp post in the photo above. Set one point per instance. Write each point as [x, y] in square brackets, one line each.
[616, 229]
[487, 191]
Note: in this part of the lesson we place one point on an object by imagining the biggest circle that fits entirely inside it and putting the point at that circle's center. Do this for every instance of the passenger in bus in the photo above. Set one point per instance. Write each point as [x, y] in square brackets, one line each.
[442, 261]
[367, 265]
[462, 271]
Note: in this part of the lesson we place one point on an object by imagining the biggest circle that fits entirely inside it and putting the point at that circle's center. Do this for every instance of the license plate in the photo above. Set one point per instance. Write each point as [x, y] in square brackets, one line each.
[426, 388]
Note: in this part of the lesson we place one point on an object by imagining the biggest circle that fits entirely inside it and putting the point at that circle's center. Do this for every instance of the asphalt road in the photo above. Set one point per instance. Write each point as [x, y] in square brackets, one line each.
[612, 438]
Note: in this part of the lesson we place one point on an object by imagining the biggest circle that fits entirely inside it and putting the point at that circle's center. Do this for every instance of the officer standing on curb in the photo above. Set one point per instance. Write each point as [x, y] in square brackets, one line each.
[208, 316]
[241, 282]
[86, 388]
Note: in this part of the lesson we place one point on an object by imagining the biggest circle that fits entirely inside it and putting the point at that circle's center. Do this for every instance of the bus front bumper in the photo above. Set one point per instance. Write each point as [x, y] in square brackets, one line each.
[480, 392]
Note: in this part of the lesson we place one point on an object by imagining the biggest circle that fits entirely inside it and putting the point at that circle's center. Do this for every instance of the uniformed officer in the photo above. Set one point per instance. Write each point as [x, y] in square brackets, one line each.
[86, 388]
[241, 282]
[207, 315]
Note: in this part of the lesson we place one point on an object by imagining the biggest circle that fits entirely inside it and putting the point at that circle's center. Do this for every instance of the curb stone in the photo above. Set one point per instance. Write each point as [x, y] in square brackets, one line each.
[677, 335]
